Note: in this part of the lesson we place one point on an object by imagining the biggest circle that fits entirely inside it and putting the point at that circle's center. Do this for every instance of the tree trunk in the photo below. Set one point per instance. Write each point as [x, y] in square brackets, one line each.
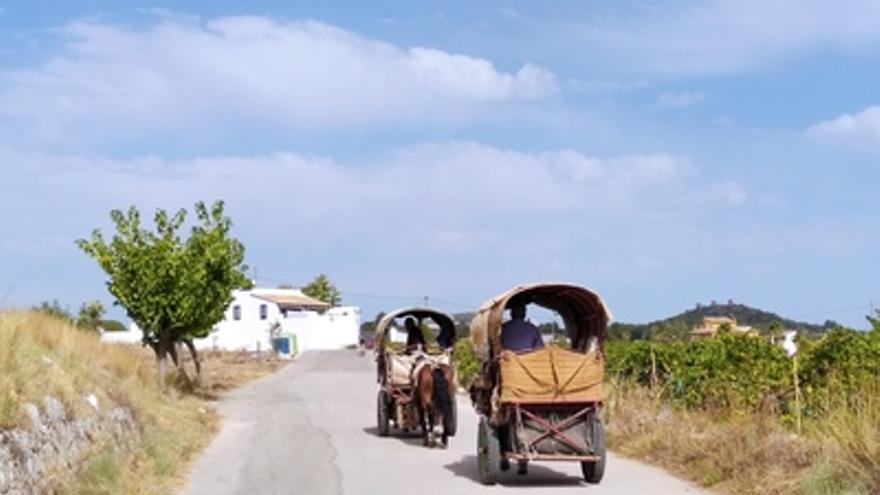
[197, 363]
[176, 351]
[160, 347]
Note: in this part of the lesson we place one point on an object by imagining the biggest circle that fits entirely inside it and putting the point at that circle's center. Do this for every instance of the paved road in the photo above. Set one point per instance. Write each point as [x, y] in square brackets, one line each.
[310, 429]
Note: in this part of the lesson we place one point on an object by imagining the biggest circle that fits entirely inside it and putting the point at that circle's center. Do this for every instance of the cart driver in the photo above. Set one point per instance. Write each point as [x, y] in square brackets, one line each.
[519, 335]
[415, 340]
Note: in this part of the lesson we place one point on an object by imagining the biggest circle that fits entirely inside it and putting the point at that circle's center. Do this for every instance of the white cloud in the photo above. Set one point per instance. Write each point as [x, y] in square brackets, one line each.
[599, 86]
[449, 195]
[860, 130]
[679, 100]
[181, 74]
[723, 36]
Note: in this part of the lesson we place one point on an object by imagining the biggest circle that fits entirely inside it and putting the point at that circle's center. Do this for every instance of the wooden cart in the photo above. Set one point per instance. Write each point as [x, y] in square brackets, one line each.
[395, 404]
[541, 405]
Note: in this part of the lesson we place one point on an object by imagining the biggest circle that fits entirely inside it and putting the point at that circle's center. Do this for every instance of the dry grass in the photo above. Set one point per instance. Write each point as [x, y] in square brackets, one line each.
[851, 437]
[222, 371]
[41, 356]
[749, 453]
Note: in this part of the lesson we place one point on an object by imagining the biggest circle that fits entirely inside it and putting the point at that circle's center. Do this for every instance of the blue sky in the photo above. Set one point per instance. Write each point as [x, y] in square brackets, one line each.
[664, 153]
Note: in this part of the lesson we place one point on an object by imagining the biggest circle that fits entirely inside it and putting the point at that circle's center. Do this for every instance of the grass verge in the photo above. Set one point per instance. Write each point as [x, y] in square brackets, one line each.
[40, 355]
[750, 453]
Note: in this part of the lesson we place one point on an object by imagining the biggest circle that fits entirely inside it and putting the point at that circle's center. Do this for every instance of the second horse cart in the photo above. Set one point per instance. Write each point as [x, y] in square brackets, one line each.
[397, 403]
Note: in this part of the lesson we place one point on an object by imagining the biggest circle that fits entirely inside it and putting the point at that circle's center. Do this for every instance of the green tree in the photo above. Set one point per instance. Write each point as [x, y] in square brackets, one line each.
[90, 315]
[875, 321]
[55, 310]
[323, 290]
[112, 326]
[174, 289]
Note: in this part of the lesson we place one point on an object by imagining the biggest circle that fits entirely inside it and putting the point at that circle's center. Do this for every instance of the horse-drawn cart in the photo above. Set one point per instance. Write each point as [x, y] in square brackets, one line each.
[398, 401]
[543, 404]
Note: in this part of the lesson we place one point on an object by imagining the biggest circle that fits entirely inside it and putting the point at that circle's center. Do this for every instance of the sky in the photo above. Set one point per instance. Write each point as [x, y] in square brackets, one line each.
[661, 153]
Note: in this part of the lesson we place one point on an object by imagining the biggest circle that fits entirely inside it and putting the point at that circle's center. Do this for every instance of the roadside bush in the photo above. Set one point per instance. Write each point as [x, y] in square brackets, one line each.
[467, 365]
[730, 371]
[840, 364]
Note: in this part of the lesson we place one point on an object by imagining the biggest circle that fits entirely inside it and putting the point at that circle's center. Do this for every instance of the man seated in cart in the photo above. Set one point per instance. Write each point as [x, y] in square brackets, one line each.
[415, 339]
[519, 335]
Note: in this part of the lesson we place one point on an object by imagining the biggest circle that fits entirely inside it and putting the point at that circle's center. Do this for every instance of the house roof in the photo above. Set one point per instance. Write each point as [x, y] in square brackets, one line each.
[291, 299]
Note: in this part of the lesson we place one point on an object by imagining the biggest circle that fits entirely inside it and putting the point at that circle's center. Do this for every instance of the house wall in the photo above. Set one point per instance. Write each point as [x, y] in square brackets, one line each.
[336, 328]
[250, 332]
[131, 336]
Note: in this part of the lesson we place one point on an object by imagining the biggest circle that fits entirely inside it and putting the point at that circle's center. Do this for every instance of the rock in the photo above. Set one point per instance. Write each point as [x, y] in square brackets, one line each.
[55, 445]
[54, 409]
[33, 415]
[93, 401]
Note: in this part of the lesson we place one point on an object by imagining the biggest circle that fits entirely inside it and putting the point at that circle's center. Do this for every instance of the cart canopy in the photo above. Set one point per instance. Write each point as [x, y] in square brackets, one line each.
[444, 321]
[582, 310]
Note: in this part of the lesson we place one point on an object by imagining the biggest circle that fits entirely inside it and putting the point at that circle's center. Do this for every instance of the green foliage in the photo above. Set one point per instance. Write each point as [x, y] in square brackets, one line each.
[90, 314]
[875, 321]
[730, 371]
[112, 326]
[466, 362]
[840, 363]
[323, 290]
[747, 373]
[55, 310]
[173, 288]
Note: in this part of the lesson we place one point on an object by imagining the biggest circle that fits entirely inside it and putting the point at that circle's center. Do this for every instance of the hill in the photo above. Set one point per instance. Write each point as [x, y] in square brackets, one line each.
[679, 326]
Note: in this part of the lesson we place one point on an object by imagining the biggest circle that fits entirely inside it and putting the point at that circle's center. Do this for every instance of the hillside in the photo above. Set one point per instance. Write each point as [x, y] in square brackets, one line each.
[679, 326]
[78, 416]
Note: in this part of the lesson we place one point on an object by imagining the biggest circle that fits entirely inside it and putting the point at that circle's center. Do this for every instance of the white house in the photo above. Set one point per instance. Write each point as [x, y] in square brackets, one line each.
[256, 317]
[132, 336]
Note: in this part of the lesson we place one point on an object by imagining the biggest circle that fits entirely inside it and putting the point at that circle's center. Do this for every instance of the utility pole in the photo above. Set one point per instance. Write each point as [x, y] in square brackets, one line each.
[425, 300]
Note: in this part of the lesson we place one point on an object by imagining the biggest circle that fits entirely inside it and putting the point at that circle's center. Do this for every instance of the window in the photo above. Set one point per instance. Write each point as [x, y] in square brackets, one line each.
[236, 312]
[264, 311]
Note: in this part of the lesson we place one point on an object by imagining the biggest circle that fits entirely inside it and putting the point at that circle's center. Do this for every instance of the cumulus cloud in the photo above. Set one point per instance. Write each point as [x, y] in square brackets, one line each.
[679, 100]
[446, 195]
[182, 73]
[860, 130]
[723, 36]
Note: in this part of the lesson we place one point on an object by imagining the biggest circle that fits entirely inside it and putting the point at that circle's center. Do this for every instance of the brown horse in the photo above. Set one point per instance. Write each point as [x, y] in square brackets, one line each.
[434, 396]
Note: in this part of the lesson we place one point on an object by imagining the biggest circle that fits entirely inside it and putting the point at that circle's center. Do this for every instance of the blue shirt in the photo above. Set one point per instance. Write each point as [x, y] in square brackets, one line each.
[520, 335]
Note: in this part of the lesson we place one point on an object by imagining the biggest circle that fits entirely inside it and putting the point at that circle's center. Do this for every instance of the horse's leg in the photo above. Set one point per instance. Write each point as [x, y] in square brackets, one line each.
[432, 417]
[450, 391]
[423, 408]
[444, 438]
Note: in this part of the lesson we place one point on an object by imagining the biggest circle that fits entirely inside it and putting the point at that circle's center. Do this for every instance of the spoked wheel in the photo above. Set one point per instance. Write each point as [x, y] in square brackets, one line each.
[593, 471]
[382, 419]
[488, 453]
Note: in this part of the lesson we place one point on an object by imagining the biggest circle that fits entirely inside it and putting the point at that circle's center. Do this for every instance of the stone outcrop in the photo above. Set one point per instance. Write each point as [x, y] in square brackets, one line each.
[38, 458]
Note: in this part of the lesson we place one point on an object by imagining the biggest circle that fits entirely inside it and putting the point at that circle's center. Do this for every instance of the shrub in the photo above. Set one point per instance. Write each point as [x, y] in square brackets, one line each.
[467, 365]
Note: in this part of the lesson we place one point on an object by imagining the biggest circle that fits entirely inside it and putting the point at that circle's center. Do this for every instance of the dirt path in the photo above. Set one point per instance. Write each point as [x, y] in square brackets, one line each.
[310, 428]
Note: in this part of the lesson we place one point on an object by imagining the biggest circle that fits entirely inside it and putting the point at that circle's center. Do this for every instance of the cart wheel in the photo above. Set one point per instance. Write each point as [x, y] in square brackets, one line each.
[593, 471]
[382, 413]
[488, 453]
[452, 421]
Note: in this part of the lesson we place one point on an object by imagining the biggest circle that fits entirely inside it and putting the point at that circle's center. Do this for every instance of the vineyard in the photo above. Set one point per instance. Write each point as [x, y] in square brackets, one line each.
[746, 373]
[726, 412]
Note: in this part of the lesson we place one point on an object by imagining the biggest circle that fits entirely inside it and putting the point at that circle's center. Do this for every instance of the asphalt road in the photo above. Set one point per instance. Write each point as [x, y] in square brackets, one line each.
[310, 429]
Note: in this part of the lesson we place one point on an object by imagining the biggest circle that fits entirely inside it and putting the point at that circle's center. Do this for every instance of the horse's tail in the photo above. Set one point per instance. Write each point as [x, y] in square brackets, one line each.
[442, 397]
